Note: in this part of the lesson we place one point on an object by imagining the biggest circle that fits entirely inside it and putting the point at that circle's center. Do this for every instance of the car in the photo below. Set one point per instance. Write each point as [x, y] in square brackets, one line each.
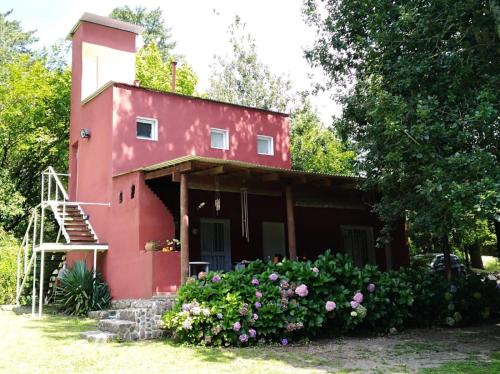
[435, 263]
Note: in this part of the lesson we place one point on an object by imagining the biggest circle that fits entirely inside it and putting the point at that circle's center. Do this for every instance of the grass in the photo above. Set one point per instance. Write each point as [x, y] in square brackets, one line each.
[491, 263]
[470, 366]
[52, 344]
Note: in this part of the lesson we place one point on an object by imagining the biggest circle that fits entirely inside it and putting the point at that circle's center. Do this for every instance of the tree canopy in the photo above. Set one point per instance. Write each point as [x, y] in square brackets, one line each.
[424, 108]
[155, 31]
[242, 79]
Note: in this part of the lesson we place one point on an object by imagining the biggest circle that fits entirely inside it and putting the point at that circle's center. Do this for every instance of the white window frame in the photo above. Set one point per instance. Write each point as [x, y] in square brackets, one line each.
[224, 133]
[154, 128]
[271, 146]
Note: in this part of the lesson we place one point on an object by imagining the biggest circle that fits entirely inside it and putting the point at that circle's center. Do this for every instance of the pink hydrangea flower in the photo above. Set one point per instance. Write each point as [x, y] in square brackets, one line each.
[358, 297]
[315, 270]
[255, 282]
[255, 316]
[258, 295]
[257, 305]
[370, 288]
[273, 276]
[216, 278]
[252, 333]
[237, 326]
[354, 304]
[243, 338]
[330, 306]
[302, 290]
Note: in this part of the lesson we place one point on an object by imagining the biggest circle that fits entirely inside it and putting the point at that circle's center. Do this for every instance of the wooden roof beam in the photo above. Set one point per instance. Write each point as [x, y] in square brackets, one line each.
[181, 168]
[217, 170]
[272, 177]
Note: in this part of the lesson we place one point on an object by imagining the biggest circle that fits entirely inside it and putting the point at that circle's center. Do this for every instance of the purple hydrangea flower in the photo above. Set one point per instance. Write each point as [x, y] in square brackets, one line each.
[255, 316]
[358, 297]
[370, 288]
[216, 278]
[330, 306]
[258, 295]
[252, 333]
[302, 290]
[255, 282]
[243, 338]
[237, 326]
[187, 324]
[273, 276]
[257, 305]
[354, 304]
[284, 341]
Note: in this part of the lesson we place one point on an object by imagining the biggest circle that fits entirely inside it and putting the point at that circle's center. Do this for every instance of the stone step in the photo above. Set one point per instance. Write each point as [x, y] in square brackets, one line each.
[102, 314]
[116, 326]
[98, 336]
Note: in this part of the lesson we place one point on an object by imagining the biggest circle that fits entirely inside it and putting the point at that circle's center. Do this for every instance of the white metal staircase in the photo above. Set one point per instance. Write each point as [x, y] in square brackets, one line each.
[74, 227]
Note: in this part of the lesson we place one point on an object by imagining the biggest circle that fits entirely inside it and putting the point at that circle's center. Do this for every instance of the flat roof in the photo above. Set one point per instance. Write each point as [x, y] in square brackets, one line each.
[108, 22]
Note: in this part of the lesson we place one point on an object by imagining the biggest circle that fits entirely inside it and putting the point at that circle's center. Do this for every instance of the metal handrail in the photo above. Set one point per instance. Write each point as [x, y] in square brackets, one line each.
[51, 173]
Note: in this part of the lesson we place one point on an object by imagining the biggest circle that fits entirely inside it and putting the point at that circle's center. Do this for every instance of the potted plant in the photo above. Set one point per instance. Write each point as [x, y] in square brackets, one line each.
[152, 245]
[171, 245]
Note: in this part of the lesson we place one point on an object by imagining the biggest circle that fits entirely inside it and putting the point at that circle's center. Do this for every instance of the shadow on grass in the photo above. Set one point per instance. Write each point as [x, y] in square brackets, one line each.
[61, 327]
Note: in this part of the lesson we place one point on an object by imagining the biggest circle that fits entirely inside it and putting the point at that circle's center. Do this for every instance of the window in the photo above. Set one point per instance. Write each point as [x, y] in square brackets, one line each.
[219, 139]
[147, 128]
[265, 145]
[120, 197]
[132, 191]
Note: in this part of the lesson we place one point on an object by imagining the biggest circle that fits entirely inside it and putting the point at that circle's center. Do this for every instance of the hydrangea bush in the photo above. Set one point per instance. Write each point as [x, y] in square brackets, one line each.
[291, 300]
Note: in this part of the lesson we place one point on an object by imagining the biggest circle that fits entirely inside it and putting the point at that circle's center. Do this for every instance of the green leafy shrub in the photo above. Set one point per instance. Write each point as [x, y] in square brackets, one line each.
[8, 267]
[78, 292]
[293, 300]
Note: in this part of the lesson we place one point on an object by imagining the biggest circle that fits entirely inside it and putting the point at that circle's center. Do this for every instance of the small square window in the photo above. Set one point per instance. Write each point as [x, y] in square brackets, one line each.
[265, 145]
[219, 139]
[147, 128]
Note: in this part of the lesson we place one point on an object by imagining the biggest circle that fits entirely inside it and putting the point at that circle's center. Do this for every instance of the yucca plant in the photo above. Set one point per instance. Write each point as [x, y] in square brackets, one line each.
[79, 293]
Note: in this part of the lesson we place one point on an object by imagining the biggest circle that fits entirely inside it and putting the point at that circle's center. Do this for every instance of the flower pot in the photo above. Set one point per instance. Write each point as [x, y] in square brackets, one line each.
[152, 245]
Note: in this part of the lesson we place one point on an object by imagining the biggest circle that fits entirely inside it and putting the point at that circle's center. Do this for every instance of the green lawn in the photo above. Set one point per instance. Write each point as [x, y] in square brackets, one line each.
[52, 345]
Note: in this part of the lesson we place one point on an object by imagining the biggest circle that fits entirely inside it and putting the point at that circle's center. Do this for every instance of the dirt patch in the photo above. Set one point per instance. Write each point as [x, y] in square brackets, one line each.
[405, 352]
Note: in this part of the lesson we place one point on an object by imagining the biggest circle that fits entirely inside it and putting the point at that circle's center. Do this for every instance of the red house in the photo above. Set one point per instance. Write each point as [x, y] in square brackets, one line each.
[215, 175]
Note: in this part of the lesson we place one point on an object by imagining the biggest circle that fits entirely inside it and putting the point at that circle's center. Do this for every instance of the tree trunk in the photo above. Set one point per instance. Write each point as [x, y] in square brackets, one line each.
[466, 257]
[475, 256]
[497, 233]
[447, 259]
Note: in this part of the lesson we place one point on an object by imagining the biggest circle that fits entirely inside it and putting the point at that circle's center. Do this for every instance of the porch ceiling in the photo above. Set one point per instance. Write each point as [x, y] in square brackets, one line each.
[237, 174]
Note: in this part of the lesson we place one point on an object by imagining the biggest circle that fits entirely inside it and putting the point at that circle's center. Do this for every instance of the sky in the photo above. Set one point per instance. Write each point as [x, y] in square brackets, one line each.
[200, 28]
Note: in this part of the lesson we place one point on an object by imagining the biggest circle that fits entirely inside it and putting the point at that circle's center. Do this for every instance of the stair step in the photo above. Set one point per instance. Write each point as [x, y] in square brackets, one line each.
[98, 336]
[102, 314]
[116, 326]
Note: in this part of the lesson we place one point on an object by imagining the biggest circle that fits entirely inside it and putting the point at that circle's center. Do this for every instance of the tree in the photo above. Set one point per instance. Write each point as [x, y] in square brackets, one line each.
[424, 108]
[13, 39]
[243, 79]
[155, 73]
[34, 123]
[155, 31]
[315, 147]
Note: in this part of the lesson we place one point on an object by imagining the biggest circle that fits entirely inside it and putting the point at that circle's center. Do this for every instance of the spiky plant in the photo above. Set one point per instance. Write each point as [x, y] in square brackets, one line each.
[79, 293]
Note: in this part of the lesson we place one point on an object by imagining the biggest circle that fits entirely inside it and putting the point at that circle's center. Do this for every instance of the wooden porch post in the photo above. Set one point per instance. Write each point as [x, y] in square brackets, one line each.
[290, 219]
[184, 203]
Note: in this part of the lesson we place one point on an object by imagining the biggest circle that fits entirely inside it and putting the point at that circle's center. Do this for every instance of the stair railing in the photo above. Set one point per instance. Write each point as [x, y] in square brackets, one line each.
[54, 195]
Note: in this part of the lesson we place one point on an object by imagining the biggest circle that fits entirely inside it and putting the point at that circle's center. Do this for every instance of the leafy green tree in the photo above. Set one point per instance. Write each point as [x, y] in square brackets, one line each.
[34, 122]
[315, 147]
[243, 79]
[13, 39]
[155, 31]
[154, 72]
[423, 110]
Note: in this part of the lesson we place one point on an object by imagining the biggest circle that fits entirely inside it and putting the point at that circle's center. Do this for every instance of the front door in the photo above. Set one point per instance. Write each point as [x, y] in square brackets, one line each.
[215, 243]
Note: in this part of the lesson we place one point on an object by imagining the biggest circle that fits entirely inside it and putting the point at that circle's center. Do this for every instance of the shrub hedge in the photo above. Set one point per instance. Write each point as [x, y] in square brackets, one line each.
[292, 300]
[8, 267]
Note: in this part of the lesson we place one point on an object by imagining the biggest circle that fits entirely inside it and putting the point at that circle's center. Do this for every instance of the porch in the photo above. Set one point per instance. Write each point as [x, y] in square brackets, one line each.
[226, 212]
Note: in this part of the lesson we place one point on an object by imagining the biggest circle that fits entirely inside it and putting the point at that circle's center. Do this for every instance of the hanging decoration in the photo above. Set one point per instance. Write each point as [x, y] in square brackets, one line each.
[217, 196]
[244, 214]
